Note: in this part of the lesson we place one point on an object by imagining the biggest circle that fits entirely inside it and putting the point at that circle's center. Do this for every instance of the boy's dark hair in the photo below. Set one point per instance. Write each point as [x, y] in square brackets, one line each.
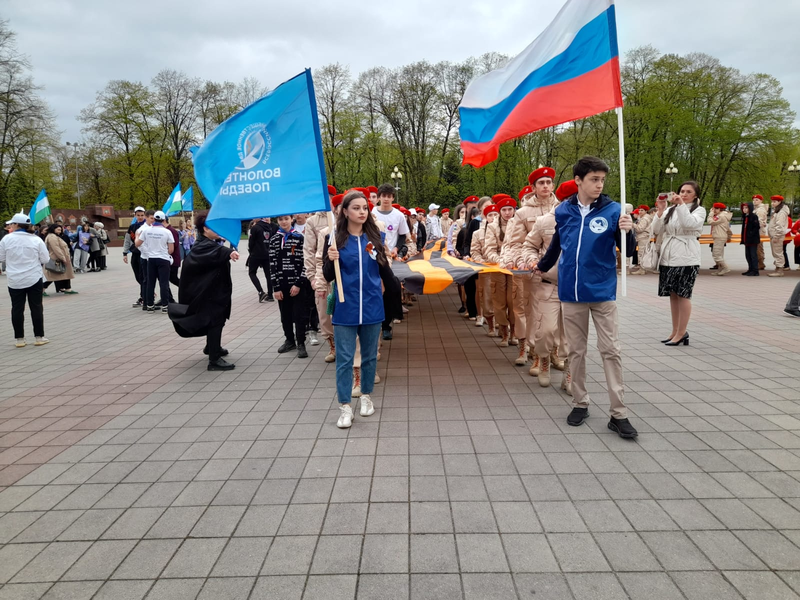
[386, 189]
[200, 223]
[587, 164]
[149, 213]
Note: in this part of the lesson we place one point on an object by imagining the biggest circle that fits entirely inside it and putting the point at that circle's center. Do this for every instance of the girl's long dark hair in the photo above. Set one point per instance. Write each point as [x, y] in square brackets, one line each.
[694, 204]
[370, 229]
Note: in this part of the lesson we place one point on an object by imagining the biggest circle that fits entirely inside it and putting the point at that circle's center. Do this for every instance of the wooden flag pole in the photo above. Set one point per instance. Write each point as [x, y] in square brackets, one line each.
[622, 238]
[339, 288]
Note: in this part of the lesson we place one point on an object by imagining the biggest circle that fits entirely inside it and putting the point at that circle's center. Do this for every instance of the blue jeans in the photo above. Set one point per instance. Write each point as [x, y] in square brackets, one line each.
[345, 338]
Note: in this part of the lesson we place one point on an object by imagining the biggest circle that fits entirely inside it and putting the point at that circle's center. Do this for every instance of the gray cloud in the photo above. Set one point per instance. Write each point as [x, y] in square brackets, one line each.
[77, 46]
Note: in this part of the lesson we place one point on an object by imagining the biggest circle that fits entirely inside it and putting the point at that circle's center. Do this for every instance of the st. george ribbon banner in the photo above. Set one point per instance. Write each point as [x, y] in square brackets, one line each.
[264, 161]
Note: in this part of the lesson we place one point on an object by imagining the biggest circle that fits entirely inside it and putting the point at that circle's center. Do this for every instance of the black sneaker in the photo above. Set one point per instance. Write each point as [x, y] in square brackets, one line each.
[150, 309]
[577, 416]
[269, 299]
[301, 351]
[138, 303]
[623, 427]
[792, 311]
[287, 346]
[387, 334]
[261, 296]
[164, 309]
[462, 310]
[220, 365]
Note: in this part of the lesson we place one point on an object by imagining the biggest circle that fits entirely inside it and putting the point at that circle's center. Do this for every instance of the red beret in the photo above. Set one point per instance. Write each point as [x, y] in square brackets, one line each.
[337, 200]
[445, 210]
[331, 190]
[497, 197]
[719, 205]
[469, 199]
[778, 198]
[525, 191]
[371, 206]
[419, 210]
[397, 206]
[758, 197]
[351, 190]
[507, 201]
[372, 189]
[636, 212]
[490, 208]
[405, 211]
[644, 207]
[567, 189]
[541, 172]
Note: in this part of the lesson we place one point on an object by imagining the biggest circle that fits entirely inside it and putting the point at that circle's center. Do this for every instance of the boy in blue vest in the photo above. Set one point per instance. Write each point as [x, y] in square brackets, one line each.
[589, 228]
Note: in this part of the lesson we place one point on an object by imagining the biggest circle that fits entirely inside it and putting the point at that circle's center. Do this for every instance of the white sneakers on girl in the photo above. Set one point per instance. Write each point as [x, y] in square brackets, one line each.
[345, 417]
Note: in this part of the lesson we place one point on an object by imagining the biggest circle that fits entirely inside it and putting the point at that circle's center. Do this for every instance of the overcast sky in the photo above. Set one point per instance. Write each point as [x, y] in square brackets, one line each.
[77, 46]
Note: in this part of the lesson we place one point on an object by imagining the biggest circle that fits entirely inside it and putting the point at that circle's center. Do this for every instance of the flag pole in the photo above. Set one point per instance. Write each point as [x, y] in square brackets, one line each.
[337, 269]
[622, 200]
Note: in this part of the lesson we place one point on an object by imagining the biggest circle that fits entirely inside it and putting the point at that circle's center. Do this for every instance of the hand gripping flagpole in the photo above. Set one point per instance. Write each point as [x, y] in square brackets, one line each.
[623, 254]
[339, 288]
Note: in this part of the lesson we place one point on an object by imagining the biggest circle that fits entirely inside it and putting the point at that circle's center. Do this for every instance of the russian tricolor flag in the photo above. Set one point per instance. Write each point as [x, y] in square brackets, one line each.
[569, 72]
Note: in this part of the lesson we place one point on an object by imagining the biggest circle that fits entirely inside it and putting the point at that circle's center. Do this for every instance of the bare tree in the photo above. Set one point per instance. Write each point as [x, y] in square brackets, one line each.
[177, 113]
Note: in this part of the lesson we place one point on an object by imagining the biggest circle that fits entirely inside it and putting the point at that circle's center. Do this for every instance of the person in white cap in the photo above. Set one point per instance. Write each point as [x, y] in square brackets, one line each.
[158, 243]
[433, 223]
[24, 253]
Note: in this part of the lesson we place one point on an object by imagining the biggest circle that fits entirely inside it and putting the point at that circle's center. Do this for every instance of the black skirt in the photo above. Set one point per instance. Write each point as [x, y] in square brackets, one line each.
[677, 280]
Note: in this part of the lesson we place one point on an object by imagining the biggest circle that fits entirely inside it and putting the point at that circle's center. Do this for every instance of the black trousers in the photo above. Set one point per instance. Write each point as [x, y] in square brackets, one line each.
[174, 280]
[214, 342]
[60, 285]
[294, 315]
[33, 295]
[254, 264]
[470, 288]
[157, 270]
[785, 257]
[796, 256]
[136, 265]
[751, 254]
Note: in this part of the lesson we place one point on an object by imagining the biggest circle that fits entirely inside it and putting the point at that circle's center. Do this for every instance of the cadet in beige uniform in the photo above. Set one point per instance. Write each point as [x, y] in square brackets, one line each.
[641, 227]
[476, 253]
[534, 205]
[777, 229]
[720, 221]
[313, 264]
[761, 212]
[502, 287]
[445, 221]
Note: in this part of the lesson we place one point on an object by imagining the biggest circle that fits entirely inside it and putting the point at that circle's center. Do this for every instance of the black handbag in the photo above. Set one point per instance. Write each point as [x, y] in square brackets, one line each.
[55, 266]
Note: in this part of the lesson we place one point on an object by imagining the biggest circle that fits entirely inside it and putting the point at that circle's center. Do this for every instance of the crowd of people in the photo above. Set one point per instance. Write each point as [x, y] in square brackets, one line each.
[557, 251]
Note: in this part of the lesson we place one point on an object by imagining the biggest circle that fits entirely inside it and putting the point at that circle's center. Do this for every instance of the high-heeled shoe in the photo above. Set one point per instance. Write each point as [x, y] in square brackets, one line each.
[684, 340]
[669, 339]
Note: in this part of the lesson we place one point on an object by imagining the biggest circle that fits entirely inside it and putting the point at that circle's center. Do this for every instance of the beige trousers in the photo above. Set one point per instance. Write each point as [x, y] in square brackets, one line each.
[718, 251]
[484, 299]
[777, 252]
[502, 299]
[549, 328]
[524, 316]
[325, 325]
[576, 330]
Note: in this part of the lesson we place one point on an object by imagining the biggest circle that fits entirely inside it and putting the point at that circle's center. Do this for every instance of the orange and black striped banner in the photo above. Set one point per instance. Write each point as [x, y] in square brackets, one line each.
[433, 270]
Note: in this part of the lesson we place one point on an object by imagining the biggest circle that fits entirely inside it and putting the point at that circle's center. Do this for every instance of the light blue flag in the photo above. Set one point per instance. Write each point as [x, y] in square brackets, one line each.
[40, 209]
[173, 204]
[188, 200]
[264, 161]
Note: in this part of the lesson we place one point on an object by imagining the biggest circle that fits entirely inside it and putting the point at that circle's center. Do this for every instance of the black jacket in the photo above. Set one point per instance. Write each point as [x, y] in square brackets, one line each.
[422, 236]
[286, 263]
[204, 295]
[751, 228]
[257, 243]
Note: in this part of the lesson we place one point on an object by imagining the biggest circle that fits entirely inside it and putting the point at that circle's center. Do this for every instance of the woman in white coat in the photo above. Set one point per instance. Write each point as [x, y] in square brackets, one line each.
[679, 226]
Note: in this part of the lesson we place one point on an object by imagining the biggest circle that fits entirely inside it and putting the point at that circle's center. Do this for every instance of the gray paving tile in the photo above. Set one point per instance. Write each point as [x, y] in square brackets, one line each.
[725, 551]
[147, 559]
[175, 589]
[195, 558]
[242, 557]
[290, 555]
[481, 553]
[227, 588]
[330, 587]
[387, 553]
[73, 590]
[489, 585]
[650, 586]
[773, 548]
[577, 552]
[675, 551]
[433, 553]
[760, 585]
[543, 586]
[15, 556]
[383, 587]
[435, 587]
[123, 590]
[627, 552]
[51, 563]
[595, 586]
[337, 554]
[529, 553]
[705, 586]
[99, 561]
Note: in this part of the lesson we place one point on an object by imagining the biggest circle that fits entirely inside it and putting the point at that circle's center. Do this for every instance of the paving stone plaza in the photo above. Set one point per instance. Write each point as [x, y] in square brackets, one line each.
[131, 472]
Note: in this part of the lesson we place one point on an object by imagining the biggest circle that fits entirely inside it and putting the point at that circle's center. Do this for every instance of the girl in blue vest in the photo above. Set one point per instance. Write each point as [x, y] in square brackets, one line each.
[363, 262]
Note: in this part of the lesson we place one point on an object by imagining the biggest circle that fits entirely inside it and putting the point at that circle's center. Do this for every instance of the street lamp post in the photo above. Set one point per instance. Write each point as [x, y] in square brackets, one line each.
[397, 178]
[671, 170]
[794, 168]
[77, 145]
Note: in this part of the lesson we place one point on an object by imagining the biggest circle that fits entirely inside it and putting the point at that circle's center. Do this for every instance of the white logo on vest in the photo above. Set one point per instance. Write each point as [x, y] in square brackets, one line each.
[598, 225]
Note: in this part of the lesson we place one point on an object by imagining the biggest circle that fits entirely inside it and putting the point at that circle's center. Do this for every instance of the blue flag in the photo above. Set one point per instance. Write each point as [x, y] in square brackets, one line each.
[188, 200]
[264, 161]
[173, 204]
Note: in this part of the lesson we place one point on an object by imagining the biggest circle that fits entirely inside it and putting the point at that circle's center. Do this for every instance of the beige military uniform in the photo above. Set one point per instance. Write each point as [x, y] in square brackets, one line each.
[548, 330]
[501, 284]
[720, 228]
[776, 230]
[761, 212]
[518, 228]
[313, 244]
[484, 287]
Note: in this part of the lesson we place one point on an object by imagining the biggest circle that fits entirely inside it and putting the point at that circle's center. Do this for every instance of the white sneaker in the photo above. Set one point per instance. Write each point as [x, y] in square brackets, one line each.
[367, 408]
[345, 417]
[479, 322]
[41, 341]
[312, 336]
[20, 343]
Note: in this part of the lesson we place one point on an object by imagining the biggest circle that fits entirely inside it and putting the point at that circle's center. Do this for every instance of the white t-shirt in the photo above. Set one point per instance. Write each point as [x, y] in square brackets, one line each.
[24, 254]
[396, 225]
[300, 228]
[142, 228]
[155, 241]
